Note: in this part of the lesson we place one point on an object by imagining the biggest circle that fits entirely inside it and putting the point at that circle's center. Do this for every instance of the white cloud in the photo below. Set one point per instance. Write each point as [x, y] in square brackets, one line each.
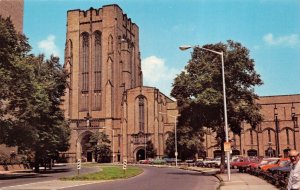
[48, 46]
[157, 74]
[289, 40]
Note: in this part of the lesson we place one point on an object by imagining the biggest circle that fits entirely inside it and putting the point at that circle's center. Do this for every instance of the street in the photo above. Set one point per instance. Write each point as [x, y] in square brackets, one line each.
[151, 178]
[159, 179]
[57, 172]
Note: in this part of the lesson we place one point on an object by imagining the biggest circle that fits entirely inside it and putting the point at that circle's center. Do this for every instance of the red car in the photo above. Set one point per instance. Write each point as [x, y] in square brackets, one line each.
[243, 163]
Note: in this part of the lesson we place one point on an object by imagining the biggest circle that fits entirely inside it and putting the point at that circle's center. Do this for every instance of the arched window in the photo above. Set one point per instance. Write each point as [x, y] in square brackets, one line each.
[141, 113]
[287, 136]
[84, 69]
[269, 135]
[85, 61]
[110, 44]
[251, 137]
[97, 59]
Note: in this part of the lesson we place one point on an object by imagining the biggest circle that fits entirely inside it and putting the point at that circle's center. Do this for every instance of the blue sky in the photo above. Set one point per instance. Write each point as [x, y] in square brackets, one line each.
[270, 29]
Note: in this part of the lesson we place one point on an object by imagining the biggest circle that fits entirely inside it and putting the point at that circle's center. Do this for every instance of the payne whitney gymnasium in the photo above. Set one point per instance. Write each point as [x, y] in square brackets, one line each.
[106, 93]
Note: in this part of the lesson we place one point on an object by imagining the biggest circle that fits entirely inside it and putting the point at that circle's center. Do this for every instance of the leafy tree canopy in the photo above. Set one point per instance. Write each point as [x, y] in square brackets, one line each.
[30, 97]
[199, 91]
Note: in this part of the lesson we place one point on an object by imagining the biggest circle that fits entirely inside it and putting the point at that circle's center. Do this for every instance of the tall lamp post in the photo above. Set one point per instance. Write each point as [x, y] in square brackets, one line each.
[185, 47]
[175, 132]
[295, 122]
[277, 131]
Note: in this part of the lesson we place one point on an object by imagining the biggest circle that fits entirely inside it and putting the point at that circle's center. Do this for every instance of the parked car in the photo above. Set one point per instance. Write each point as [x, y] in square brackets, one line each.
[210, 162]
[243, 163]
[158, 161]
[281, 161]
[255, 167]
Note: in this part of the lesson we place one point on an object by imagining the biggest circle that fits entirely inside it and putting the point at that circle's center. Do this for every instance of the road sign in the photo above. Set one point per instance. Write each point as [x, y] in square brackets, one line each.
[78, 164]
[227, 146]
[124, 164]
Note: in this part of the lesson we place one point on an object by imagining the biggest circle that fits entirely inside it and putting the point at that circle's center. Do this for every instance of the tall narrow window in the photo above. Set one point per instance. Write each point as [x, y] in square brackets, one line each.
[269, 135]
[97, 58]
[251, 137]
[110, 44]
[85, 61]
[287, 136]
[97, 71]
[141, 113]
[84, 64]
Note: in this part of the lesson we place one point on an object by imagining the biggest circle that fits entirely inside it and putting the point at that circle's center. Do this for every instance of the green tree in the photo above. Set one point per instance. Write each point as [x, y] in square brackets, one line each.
[199, 90]
[189, 143]
[100, 143]
[30, 99]
[151, 152]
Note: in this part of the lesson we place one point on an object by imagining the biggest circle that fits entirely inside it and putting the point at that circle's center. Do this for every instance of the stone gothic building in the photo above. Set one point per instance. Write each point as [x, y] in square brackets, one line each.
[106, 91]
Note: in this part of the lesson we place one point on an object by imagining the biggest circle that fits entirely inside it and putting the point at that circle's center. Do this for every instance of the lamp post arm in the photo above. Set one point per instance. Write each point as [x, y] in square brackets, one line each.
[219, 53]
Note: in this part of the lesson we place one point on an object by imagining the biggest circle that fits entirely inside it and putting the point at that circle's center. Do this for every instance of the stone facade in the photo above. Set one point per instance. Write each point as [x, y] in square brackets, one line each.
[13, 9]
[106, 90]
[278, 132]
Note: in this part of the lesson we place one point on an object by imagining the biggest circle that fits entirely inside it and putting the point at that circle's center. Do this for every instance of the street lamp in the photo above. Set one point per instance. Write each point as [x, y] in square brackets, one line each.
[277, 131]
[185, 47]
[175, 129]
[112, 139]
[295, 120]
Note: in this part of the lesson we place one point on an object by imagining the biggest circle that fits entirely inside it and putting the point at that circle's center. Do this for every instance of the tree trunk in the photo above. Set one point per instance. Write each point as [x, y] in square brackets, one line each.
[222, 166]
[36, 166]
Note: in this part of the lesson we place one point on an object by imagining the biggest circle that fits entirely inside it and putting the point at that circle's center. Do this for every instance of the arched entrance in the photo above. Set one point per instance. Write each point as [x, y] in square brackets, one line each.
[252, 152]
[87, 153]
[235, 152]
[140, 155]
[270, 152]
[86, 148]
[217, 153]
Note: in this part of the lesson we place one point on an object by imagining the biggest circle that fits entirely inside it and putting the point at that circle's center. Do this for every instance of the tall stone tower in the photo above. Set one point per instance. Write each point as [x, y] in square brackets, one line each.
[103, 59]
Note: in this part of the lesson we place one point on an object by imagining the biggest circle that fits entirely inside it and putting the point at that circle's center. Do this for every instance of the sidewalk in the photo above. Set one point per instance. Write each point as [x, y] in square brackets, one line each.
[238, 181]
[16, 174]
[243, 181]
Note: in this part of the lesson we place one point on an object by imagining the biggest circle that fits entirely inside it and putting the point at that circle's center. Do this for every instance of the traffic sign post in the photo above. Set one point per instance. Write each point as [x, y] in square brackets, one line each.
[78, 166]
[227, 146]
[124, 166]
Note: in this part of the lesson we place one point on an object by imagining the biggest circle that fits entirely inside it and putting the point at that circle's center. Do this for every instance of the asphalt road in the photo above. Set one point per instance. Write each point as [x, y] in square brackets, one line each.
[154, 178]
[56, 173]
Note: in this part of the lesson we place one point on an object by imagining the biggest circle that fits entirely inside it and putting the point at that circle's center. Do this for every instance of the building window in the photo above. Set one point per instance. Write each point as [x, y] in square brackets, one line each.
[97, 71]
[84, 63]
[287, 136]
[97, 59]
[251, 137]
[269, 135]
[141, 113]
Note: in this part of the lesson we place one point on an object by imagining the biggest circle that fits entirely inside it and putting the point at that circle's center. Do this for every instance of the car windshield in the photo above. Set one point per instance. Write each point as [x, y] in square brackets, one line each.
[284, 163]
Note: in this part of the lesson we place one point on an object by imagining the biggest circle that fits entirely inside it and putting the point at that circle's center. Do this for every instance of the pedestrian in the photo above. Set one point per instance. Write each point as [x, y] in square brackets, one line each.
[294, 178]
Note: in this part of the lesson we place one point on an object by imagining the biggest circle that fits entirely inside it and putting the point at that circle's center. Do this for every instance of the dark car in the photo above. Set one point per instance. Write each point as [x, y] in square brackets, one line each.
[279, 175]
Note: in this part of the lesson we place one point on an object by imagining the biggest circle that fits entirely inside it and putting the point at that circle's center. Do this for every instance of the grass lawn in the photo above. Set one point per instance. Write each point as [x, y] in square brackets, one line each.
[108, 173]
